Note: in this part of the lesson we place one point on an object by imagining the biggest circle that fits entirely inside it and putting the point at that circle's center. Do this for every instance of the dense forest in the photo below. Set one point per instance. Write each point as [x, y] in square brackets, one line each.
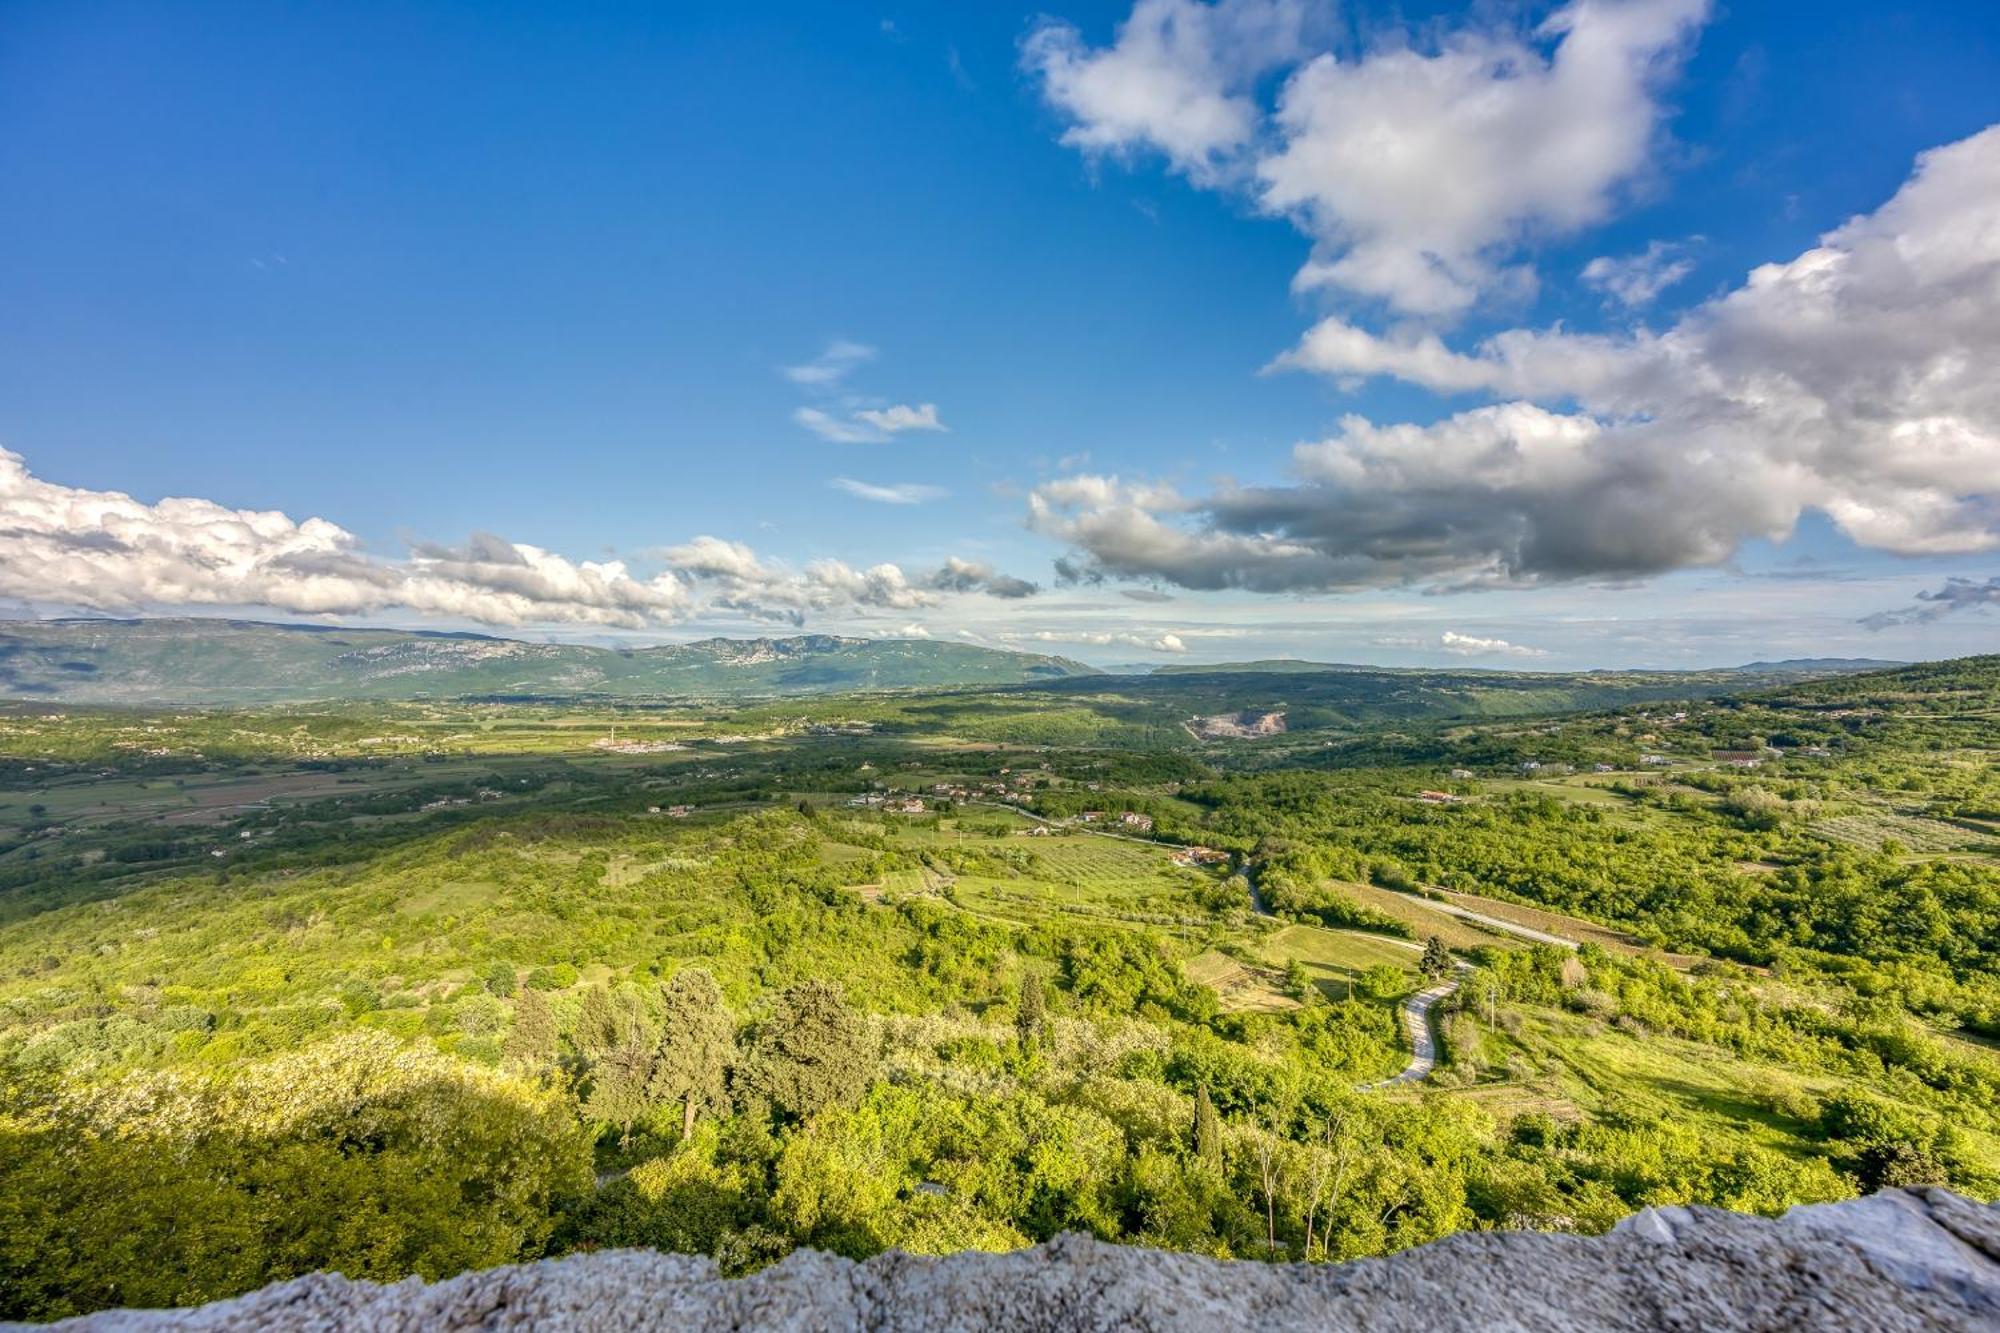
[396, 989]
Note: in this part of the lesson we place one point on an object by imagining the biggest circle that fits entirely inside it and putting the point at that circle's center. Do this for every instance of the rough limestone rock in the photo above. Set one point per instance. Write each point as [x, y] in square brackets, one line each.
[1903, 1259]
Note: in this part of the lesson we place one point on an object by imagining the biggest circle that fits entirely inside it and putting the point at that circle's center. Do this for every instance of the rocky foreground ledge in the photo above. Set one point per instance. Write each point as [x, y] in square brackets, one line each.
[1902, 1259]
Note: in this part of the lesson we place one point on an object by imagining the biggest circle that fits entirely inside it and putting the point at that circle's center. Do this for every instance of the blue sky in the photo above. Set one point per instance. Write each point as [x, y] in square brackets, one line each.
[428, 272]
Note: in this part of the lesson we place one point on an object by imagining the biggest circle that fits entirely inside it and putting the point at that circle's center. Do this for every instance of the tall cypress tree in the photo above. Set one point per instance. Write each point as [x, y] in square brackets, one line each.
[1031, 1015]
[1207, 1130]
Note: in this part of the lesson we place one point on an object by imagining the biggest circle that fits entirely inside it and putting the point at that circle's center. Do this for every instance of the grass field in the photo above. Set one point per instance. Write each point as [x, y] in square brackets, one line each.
[1077, 876]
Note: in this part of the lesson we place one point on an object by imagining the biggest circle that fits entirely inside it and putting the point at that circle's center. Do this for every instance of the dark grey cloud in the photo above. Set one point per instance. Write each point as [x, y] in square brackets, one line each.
[1957, 594]
[957, 575]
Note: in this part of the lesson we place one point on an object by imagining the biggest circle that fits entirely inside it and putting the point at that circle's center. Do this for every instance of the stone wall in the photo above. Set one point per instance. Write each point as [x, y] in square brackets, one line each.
[1903, 1259]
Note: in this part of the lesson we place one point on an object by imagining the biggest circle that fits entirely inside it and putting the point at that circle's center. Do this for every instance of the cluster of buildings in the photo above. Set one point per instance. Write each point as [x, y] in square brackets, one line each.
[1200, 856]
[616, 746]
[1130, 819]
[894, 803]
[1008, 788]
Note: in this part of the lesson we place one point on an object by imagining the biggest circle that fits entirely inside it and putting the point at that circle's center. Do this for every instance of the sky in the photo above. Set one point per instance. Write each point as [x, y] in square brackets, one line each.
[1603, 334]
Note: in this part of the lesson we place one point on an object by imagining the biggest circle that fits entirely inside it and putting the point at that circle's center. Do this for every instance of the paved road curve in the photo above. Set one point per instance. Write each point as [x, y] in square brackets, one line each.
[1417, 1022]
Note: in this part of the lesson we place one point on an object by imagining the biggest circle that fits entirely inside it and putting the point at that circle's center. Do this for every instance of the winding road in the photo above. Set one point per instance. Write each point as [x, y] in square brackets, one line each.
[1423, 1038]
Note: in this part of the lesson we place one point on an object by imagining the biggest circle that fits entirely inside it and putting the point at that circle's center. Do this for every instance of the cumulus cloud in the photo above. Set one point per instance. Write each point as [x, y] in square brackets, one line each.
[737, 579]
[1957, 594]
[1637, 280]
[896, 493]
[831, 366]
[1178, 78]
[70, 547]
[1854, 380]
[957, 575]
[66, 546]
[1415, 170]
[901, 417]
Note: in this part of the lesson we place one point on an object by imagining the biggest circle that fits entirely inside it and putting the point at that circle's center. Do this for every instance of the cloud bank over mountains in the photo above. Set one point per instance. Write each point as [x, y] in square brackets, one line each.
[63, 546]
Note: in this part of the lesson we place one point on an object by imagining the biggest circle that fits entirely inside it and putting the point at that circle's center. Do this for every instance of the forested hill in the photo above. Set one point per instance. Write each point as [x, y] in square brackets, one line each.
[1292, 666]
[1352, 696]
[206, 661]
[1961, 685]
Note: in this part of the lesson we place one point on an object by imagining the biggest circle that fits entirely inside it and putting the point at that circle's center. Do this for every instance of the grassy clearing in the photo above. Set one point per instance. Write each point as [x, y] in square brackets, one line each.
[1335, 959]
[1564, 1059]
[1239, 986]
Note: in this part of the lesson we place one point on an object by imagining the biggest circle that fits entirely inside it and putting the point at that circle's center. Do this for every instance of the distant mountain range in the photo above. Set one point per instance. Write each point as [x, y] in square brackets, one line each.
[207, 661]
[202, 661]
[1824, 666]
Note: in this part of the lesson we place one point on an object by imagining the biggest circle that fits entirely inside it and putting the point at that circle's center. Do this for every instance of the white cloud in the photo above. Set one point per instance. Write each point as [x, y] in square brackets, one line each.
[846, 418]
[839, 430]
[1150, 641]
[1178, 78]
[902, 417]
[831, 366]
[1854, 380]
[913, 630]
[1415, 172]
[1467, 645]
[737, 579]
[1637, 280]
[897, 493]
[64, 546]
[1459, 645]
